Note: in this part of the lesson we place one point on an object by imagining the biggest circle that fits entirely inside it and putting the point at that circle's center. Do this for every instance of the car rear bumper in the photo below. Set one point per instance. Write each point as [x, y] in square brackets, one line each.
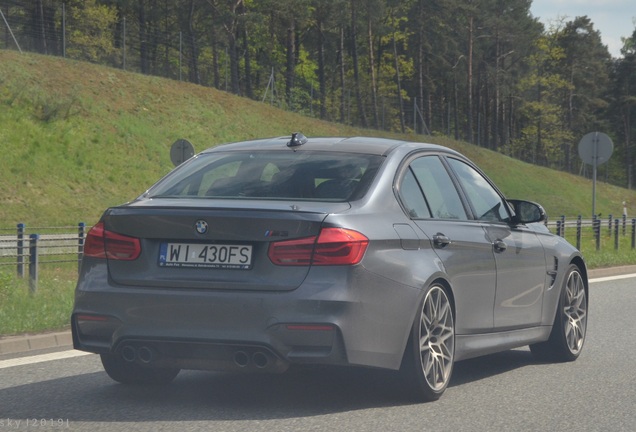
[366, 322]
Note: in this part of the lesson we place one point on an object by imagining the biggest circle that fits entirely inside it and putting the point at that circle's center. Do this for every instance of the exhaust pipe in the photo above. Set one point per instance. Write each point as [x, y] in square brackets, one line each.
[241, 359]
[260, 359]
[145, 354]
[128, 353]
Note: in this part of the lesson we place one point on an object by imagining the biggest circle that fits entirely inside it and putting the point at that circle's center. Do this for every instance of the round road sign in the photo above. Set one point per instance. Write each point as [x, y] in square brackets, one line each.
[595, 148]
[181, 151]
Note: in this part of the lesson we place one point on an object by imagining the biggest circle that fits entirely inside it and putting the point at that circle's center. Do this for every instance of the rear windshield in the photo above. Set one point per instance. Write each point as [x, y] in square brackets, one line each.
[306, 175]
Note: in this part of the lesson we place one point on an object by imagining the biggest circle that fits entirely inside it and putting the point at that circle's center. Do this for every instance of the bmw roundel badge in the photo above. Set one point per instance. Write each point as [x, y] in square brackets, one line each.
[201, 226]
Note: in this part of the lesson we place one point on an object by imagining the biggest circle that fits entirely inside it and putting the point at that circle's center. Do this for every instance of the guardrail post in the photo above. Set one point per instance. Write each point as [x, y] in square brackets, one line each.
[562, 226]
[609, 225]
[20, 250]
[558, 227]
[633, 233]
[597, 233]
[81, 228]
[616, 226]
[33, 262]
[578, 232]
[624, 223]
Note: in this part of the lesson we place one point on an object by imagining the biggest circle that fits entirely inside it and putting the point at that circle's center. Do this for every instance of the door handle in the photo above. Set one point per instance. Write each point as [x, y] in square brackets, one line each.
[440, 240]
[500, 246]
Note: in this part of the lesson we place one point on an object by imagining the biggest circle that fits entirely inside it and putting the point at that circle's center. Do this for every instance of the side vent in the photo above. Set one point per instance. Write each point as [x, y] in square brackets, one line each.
[553, 273]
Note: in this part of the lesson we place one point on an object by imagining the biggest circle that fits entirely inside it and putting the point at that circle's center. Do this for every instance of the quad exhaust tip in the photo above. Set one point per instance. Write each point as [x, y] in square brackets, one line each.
[259, 359]
[129, 353]
[142, 354]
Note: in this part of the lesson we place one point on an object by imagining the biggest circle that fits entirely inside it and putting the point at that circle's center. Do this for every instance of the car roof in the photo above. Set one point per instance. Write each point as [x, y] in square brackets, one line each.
[359, 144]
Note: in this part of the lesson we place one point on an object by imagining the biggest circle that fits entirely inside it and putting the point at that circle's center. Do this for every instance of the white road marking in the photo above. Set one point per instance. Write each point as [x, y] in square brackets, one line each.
[41, 358]
[612, 278]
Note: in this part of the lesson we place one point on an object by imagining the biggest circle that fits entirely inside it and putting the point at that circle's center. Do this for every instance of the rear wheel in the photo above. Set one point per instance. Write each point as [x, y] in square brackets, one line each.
[570, 323]
[429, 357]
[126, 372]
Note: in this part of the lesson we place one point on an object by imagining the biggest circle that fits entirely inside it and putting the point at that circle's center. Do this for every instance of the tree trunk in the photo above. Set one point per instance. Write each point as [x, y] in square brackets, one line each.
[321, 70]
[143, 48]
[469, 80]
[41, 26]
[399, 84]
[343, 100]
[291, 62]
[248, 65]
[374, 85]
[194, 52]
[356, 67]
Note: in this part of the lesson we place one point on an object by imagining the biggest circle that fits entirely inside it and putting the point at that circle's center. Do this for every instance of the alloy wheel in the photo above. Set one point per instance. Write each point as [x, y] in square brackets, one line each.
[437, 338]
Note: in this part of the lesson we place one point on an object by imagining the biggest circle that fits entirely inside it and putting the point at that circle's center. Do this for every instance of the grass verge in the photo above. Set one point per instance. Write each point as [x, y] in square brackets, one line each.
[49, 308]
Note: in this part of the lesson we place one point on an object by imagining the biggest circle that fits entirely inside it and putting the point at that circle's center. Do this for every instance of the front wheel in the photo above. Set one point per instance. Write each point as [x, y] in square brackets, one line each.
[429, 357]
[570, 323]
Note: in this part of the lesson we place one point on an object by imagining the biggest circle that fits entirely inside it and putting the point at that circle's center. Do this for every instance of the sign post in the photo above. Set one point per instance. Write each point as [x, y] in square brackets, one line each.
[595, 149]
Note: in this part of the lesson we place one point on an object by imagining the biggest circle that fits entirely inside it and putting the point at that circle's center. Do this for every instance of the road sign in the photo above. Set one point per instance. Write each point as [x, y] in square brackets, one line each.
[181, 151]
[595, 149]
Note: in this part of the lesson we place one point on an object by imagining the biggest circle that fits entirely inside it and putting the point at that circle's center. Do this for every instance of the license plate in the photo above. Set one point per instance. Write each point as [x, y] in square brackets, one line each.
[198, 255]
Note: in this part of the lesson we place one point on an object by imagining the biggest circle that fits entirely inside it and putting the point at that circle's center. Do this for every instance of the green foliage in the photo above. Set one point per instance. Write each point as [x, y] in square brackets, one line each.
[544, 131]
[91, 32]
[116, 142]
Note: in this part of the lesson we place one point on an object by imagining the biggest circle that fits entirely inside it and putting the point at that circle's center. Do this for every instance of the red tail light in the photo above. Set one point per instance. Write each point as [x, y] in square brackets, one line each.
[334, 246]
[101, 243]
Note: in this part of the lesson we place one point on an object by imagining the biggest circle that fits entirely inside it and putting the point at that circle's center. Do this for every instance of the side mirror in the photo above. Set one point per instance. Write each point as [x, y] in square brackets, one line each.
[527, 212]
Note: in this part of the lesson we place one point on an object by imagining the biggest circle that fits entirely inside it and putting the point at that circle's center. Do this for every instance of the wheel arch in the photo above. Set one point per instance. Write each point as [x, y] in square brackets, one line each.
[578, 261]
[437, 279]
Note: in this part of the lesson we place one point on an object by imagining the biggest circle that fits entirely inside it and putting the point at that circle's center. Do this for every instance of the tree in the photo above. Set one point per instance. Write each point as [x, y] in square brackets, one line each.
[623, 106]
[586, 66]
[545, 128]
[91, 28]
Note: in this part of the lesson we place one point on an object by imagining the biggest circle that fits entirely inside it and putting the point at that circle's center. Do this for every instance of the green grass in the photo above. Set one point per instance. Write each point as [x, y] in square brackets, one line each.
[48, 308]
[607, 255]
[76, 138]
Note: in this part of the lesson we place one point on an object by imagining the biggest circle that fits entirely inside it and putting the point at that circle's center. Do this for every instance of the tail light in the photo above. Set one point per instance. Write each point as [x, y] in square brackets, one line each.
[333, 246]
[101, 243]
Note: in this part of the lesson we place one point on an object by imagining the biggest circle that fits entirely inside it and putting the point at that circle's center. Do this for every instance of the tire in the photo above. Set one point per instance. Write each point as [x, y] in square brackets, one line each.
[570, 323]
[131, 373]
[429, 357]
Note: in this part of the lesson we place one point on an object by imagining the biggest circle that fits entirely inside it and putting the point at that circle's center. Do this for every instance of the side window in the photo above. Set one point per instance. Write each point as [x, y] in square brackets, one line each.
[486, 202]
[439, 190]
[412, 197]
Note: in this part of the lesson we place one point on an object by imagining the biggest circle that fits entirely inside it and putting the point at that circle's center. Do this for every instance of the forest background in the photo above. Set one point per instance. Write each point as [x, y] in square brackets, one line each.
[483, 71]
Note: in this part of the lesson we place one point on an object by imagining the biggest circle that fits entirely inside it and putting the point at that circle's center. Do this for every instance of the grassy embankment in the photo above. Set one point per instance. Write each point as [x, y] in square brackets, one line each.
[76, 138]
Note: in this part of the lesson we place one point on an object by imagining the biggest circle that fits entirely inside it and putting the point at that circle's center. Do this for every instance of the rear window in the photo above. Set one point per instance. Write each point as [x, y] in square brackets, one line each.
[317, 176]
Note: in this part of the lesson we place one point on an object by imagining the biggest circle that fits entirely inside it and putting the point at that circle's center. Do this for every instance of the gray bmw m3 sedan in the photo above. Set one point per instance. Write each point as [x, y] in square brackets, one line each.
[366, 252]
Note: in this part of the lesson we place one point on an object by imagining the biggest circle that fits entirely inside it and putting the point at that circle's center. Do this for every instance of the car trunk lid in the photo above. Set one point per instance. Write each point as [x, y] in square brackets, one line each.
[212, 244]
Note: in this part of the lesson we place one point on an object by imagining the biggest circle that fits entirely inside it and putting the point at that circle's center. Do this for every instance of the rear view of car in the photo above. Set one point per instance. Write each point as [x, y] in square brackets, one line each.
[258, 255]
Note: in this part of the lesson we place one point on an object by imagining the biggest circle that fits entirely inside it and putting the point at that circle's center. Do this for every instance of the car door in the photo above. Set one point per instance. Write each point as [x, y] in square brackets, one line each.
[431, 199]
[519, 255]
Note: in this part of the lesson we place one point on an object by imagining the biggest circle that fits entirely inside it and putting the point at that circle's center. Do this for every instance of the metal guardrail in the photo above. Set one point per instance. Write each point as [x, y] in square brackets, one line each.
[28, 250]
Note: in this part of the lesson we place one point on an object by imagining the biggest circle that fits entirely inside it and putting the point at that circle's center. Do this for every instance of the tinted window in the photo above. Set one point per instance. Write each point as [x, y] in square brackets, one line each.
[486, 202]
[412, 197]
[439, 190]
[273, 175]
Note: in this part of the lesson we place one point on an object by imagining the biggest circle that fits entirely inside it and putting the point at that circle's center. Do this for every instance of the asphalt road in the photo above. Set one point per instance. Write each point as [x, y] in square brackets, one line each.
[507, 391]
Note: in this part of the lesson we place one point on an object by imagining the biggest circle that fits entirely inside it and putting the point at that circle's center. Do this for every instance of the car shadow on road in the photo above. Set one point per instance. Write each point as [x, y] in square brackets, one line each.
[195, 395]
